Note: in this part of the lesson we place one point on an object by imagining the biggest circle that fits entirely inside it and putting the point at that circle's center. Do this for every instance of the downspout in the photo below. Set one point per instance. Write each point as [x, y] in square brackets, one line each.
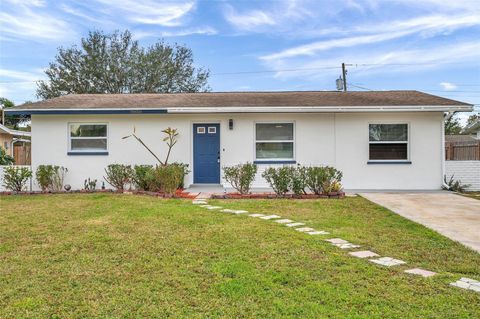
[446, 117]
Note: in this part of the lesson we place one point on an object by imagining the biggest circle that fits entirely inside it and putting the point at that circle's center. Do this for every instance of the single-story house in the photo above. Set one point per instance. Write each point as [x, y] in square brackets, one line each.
[9, 137]
[378, 139]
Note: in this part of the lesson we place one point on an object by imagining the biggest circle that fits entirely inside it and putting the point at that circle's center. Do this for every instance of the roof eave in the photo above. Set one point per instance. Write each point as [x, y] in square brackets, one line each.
[246, 109]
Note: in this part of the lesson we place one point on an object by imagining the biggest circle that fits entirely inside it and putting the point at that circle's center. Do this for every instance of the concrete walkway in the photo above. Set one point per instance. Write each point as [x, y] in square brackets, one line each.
[453, 216]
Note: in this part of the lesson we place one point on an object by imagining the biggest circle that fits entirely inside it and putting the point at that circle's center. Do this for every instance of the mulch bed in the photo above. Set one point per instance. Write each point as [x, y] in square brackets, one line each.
[178, 194]
[274, 196]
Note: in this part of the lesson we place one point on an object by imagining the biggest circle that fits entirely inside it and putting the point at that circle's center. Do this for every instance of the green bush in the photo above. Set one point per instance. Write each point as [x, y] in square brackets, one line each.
[5, 159]
[15, 178]
[323, 179]
[90, 185]
[50, 177]
[240, 176]
[166, 178]
[185, 169]
[141, 175]
[278, 178]
[118, 176]
[298, 180]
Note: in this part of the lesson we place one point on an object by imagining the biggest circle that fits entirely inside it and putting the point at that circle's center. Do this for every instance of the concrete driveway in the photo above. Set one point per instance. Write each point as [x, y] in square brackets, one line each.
[454, 216]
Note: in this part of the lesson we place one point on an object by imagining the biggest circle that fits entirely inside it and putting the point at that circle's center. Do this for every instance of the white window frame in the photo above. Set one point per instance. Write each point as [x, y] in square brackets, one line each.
[274, 141]
[199, 128]
[70, 138]
[214, 130]
[389, 142]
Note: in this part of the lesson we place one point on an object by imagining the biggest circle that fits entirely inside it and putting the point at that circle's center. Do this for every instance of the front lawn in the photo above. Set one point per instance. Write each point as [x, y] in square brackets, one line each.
[126, 256]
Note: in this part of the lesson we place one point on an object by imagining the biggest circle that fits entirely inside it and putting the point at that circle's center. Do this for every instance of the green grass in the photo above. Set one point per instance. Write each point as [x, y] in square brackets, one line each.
[126, 256]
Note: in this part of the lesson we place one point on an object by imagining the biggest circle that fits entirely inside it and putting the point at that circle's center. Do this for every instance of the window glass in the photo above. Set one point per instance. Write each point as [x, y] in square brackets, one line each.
[89, 144]
[88, 137]
[388, 132]
[388, 151]
[274, 132]
[274, 150]
[88, 130]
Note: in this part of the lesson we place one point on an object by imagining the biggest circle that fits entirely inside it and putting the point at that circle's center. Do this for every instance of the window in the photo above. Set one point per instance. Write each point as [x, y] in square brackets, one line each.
[212, 130]
[388, 142]
[200, 130]
[274, 141]
[88, 137]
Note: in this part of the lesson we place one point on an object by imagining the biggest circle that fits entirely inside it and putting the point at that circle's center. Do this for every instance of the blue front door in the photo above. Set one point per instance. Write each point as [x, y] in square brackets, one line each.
[206, 153]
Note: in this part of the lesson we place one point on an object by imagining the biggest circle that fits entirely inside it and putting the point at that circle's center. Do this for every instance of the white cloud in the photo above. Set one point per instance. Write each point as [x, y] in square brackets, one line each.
[248, 20]
[164, 13]
[24, 22]
[427, 26]
[447, 86]
[384, 61]
[139, 34]
[19, 85]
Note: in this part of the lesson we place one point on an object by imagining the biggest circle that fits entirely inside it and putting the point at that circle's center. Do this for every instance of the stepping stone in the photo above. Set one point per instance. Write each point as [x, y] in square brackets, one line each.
[467, 283]
[284, 221]
[295, 224]
[363, 254]
[239, 212]
[420, 272]
[256, 215]
[305, 229]
[337, 241]
[388, 261]
[205, 206]
[346, 246]
[270, 217]
[213, 207]
[226, 210]
[318, 232]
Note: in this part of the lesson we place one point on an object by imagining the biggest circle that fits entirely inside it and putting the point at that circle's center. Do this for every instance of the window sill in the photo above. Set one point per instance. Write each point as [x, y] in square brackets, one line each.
[276, 162]
[389, 162]
[87, 153]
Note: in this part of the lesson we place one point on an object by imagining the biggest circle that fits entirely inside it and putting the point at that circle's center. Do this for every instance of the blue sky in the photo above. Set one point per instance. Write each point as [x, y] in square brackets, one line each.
[427, 45]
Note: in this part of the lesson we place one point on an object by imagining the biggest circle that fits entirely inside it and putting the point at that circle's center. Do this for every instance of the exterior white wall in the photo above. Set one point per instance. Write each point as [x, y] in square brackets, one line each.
[340, 140]
[468, 172]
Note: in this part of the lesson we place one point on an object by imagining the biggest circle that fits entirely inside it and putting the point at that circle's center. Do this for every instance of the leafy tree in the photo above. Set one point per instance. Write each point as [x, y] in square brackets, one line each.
[115, 63]
[12, 121]
[473, 119]
[452, 126]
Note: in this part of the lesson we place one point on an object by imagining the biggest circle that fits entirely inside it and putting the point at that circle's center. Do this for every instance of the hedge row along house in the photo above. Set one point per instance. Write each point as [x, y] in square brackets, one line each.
[381, 140]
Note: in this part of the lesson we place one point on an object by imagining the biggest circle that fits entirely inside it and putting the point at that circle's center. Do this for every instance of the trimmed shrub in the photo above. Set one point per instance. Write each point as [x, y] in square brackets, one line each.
[185, 169]
[323, 179]
[15, 178]
[50, 177]
[166, 178]
[278, 178]
[298, 180]
[118, 176]
[141, 176]
[240, 176]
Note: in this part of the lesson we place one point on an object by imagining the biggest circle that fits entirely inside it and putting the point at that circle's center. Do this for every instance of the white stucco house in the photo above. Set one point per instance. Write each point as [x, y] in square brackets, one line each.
[378, 139]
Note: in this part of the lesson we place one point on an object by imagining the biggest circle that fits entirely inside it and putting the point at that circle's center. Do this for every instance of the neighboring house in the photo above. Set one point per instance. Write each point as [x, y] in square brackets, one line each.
[378, 139]
[12, 140]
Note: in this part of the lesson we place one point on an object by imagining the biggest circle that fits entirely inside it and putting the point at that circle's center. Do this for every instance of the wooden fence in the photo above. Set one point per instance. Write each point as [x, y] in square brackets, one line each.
[462, 151]
[22, 154]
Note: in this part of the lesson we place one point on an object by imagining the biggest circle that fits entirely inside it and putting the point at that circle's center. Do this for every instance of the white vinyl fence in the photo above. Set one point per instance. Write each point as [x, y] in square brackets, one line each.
[28, 185]
[468, 172]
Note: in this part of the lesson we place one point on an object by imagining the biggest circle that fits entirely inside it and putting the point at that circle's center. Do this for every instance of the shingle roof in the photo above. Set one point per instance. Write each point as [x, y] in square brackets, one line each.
[242, 99]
